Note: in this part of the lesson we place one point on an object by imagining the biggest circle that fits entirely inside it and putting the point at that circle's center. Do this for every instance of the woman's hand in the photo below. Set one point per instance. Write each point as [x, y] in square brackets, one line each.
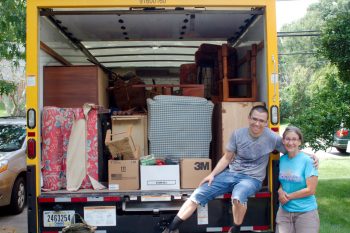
[208, 179]
[282, 196]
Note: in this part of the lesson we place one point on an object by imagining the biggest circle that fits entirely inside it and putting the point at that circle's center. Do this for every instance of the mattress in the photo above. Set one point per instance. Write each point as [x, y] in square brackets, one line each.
[179, 126]
[56, 129]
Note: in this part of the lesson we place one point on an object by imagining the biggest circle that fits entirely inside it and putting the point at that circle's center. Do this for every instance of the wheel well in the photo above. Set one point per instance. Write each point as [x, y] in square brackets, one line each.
[22, 174]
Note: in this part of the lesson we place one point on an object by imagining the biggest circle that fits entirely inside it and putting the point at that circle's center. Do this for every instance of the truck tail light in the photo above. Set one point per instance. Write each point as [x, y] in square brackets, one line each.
[31, 119]
[274, 114]
[275, 129]
[31, 148]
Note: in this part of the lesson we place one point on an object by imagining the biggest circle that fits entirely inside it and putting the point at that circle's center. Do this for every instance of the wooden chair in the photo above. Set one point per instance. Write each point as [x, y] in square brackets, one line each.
[232, 87]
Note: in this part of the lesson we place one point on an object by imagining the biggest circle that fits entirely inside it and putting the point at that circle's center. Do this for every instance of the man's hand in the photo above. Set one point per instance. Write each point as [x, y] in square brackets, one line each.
[208, 179]
[316, 160]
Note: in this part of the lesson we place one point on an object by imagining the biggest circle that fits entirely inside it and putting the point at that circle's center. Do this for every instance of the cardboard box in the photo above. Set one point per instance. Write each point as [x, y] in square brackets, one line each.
[123, 175]
[160, 177]
[193, 171]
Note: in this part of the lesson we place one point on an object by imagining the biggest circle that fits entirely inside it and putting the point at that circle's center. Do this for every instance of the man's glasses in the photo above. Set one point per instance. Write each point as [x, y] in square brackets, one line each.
[256, 120]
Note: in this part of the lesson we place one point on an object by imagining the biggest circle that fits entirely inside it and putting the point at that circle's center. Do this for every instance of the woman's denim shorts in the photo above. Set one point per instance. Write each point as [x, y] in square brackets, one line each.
[241, 186]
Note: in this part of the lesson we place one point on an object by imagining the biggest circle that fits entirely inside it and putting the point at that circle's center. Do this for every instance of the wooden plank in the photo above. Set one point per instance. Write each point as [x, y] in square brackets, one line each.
[54, 55]
[7, 229]
[228, 116]
[120, 127]
[102, 93]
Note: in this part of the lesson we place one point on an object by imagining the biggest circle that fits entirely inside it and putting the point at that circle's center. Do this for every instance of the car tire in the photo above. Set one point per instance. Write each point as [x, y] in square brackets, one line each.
[18, 196]
[341, 150]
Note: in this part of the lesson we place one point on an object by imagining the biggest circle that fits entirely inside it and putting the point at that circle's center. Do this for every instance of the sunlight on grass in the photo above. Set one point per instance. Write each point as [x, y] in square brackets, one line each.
[333, 195]
[335, 168]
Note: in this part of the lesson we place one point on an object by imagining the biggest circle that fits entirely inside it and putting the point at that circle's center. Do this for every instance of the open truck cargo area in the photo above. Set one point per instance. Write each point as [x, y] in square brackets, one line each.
[217, 58]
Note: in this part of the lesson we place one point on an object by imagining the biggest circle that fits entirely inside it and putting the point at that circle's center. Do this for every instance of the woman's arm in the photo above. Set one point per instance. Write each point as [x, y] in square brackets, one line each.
[311, 184]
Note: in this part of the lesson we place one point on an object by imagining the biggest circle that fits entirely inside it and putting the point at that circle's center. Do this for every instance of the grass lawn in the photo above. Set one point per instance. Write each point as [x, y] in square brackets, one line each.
[333, 195]
[2, 110]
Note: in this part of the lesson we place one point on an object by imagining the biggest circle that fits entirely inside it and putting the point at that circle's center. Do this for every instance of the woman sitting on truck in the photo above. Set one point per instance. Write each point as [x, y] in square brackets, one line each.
[298, 207]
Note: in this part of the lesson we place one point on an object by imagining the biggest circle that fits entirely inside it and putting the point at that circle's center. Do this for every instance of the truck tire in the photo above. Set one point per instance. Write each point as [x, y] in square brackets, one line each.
[18, 196]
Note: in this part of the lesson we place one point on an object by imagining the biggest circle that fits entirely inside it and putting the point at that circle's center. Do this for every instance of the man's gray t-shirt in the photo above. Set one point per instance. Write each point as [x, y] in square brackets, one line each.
[252, 154]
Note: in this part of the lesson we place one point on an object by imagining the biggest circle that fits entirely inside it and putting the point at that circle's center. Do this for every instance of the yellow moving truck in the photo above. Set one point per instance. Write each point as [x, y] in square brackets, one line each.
[154, 39]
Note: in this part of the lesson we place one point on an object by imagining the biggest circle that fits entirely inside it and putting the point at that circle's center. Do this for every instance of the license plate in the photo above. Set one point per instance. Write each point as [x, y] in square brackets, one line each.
[58, 218]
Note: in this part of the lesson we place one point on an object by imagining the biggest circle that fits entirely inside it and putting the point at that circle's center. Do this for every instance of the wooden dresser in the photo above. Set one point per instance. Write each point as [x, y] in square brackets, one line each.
[72, 86]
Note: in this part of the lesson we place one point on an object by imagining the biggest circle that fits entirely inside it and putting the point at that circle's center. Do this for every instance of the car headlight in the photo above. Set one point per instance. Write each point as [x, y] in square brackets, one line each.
[3, 165]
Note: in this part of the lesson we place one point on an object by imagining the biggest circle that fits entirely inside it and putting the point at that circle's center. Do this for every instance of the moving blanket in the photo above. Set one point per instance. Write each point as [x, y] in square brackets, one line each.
[56, 130]
[179, 126]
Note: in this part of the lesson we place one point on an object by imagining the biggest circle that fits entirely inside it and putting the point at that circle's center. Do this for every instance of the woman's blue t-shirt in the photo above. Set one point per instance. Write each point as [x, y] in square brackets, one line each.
[293, 175]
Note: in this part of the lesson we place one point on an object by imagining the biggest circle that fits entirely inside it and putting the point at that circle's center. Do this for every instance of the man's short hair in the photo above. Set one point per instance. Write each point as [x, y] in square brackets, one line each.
[259, 108]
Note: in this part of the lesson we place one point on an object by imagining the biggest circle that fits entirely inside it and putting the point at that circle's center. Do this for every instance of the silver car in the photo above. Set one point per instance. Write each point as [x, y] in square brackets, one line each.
[13, 163]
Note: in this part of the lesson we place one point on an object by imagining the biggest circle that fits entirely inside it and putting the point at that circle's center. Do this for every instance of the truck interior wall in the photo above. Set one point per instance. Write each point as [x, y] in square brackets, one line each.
[255, 34]
[48, 33]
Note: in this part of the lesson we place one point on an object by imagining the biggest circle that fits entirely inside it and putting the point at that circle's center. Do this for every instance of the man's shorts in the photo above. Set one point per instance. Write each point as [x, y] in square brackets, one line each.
[241, 186]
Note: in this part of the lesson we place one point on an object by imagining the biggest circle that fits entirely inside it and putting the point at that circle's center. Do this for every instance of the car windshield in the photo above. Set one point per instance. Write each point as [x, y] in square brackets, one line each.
[11, 137]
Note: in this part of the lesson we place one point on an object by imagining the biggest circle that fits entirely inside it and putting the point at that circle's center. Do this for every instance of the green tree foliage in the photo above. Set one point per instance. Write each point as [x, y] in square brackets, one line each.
[328, 105]
[6, 87]
[313, 96]
[12, 49]
[12, 29]
[335, 43]
[295, 92]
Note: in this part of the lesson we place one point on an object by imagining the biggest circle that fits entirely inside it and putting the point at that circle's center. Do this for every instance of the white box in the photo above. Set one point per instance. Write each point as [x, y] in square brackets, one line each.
[160, 177]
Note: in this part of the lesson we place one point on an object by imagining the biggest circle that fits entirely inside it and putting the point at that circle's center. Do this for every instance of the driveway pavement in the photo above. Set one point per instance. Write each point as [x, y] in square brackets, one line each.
[13, 223]
[331, 153]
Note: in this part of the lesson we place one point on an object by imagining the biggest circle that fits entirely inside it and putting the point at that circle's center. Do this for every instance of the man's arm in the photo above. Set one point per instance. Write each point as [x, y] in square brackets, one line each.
[220, 166]
[314, 158]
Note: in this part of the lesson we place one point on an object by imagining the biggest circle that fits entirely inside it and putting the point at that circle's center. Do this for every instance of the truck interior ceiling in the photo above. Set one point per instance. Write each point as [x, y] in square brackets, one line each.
[153, 43]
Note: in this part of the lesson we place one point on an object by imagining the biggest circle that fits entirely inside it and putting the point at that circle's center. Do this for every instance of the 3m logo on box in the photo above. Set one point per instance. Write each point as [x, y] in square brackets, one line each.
[193, 170]
[201, 166]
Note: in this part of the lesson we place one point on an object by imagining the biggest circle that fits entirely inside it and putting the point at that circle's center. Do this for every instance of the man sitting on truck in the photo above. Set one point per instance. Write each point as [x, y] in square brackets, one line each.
[247, 155]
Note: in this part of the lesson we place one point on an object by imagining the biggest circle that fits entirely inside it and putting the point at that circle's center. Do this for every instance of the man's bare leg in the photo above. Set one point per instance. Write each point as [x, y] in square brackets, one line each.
[186, 210]
[238, 213]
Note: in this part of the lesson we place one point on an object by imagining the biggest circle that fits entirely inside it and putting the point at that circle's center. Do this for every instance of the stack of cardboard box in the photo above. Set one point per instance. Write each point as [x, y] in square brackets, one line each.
[128, 174]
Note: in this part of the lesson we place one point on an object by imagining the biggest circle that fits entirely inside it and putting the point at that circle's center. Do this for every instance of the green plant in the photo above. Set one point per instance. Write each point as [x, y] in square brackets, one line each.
[329, 105]
[335, 43]
[7, 87]
[12, 30]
